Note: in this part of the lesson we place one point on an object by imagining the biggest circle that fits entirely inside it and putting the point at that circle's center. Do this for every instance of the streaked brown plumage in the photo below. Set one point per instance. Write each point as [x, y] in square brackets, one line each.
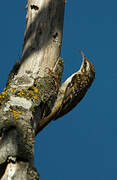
[73, 90]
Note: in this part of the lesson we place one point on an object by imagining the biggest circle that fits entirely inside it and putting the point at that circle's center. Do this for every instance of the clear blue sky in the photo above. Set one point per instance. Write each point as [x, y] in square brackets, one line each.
[83, 144]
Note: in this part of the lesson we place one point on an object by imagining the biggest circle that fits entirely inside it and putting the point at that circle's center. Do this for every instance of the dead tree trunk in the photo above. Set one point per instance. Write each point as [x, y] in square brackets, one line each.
[33, 87]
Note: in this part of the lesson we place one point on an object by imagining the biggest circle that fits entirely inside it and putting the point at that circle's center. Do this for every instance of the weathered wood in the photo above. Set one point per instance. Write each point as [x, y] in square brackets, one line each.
[31, 89]
[43, 36]
[20, 171]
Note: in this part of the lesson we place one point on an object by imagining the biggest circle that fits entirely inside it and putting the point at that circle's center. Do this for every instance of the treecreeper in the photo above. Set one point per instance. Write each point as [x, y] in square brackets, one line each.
[72, 90]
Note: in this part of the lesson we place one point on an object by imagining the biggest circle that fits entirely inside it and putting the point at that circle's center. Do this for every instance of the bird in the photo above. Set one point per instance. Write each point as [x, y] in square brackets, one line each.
[72, 90]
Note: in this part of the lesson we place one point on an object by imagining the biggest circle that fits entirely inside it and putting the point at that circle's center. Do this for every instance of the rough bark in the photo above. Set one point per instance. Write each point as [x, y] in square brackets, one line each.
[33, 87]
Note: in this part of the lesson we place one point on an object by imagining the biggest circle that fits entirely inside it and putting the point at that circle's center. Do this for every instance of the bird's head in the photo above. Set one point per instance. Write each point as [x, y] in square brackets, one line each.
[87, 67]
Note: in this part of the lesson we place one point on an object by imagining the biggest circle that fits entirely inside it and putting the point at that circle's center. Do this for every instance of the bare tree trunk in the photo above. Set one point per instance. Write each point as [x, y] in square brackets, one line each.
[33, 87]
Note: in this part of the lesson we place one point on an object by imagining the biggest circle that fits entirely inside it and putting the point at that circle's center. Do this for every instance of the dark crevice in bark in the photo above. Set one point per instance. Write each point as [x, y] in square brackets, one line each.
[34, 7]
[2, 169]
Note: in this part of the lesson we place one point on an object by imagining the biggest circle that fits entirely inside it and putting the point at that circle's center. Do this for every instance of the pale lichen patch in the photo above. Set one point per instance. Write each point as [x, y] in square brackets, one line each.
[20, 101]
[7, 105]
[22, 81]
